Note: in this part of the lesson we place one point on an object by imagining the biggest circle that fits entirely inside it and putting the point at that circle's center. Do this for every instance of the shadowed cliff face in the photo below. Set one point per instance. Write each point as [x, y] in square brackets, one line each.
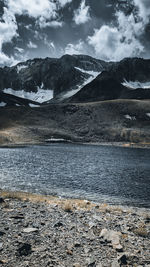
[78, 74]
[110, 84]
[59, 75]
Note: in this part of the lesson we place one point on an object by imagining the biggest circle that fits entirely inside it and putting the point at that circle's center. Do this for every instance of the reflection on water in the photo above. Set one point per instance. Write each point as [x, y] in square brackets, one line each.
[100, 173]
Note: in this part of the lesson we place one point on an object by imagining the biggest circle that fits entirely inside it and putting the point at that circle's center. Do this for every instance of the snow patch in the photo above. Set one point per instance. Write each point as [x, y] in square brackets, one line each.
[135, 85]
[2, 104]
[128, 117]
[93, 75]
[57, 140]
[34, 106]
[21, 67]
[148, 114]
[40, 96]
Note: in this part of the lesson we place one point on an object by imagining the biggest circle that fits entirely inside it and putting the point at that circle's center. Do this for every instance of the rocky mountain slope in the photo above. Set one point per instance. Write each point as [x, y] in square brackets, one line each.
[106, 121]
[128, 79]
[76, 98]
[49, 77]
[77, 78]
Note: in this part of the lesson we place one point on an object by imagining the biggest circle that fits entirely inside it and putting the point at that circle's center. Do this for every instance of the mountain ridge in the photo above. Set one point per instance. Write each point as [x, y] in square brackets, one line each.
[91, 101]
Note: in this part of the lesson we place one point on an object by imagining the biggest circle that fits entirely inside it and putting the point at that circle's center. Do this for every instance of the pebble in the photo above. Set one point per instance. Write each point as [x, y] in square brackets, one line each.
[1, 200]
[1, 246]
[30, 230]
[41, 234]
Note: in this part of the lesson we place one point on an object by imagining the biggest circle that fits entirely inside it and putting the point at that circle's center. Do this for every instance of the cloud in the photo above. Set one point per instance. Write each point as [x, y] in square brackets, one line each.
[19, 49]
[45, 13]
[73, 49]
[110, 35]
[54, 23]
[144, 9]
[123, 40]
[8, 30]
[34, 8]
[64, 2]
[82, 15]
[5, 60]
[41, 10]
[32, 45]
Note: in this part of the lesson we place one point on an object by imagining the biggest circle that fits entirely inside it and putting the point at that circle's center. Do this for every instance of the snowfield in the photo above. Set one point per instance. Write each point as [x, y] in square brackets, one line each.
[128, 117]
[135, 85]
[2, 104]
[20, 67]
[93, 75]
[40, 96]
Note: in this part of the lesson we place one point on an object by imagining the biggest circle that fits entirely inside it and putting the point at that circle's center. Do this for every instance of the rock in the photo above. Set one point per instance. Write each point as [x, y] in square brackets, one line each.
[2, 233]
[112, 237]
[91, 262]
[115, 263]
[69, 252]
[24, 250]
[3, 261]
[58, 224]
[18, 217]
[1, 246]
[77, 245]
[99, 265]
[119, 248]
[1, 200]
[30, 230]
[122, 259]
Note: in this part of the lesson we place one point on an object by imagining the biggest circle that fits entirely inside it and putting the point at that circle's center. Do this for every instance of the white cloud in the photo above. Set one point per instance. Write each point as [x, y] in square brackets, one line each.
[64, 2]
[54, 23]
[43, 11]
[115, 43]
[34, 8]
[144, 9]
[19, 49]
[32, 45]
[73, 49]
[5, 60]
[82, 15]
[8, 30]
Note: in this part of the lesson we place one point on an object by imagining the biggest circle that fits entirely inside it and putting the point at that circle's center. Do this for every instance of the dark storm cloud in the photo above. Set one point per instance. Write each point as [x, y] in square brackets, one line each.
[108, 29]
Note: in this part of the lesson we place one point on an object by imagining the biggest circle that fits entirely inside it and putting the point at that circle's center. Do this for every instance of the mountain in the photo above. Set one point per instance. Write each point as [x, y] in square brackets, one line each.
[76, 98]
[127, 79]
[42, 79]
[77, 78]
[11, 100]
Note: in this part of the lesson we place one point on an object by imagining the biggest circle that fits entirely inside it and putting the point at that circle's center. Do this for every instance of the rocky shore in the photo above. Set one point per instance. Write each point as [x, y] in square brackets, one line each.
[46, 231]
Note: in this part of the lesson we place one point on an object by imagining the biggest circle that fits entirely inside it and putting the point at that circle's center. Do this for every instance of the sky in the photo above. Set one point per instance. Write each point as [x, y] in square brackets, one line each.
[106, 29]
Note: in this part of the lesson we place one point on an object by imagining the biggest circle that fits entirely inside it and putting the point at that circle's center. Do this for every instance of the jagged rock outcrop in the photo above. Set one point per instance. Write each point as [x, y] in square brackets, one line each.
[59, 75]
[11, 100]
[115, 82]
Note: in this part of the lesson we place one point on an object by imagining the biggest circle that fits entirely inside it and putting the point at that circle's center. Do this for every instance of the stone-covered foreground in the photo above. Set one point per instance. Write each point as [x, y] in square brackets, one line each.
[67, 233]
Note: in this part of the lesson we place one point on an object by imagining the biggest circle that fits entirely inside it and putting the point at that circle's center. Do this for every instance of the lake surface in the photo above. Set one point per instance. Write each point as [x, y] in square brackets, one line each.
[114, 175]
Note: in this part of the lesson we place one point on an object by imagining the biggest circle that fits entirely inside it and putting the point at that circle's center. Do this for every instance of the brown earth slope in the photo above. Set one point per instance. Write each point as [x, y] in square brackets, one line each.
[107, 121]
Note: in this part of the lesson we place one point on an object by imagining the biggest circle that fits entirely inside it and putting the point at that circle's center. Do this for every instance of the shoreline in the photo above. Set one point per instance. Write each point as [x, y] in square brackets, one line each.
[38, 230]
[54, 199]
[45, 143]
